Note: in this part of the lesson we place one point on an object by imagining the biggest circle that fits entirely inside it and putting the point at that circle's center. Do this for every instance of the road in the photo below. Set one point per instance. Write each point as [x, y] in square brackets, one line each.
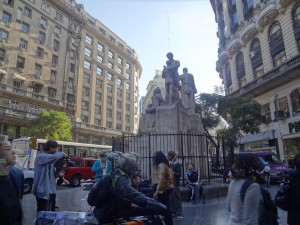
[212, 212]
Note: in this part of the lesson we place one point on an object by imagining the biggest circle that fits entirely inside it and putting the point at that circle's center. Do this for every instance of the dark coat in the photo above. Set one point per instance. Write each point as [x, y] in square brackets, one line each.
[112, 199]
[293, 213]
[17, 177]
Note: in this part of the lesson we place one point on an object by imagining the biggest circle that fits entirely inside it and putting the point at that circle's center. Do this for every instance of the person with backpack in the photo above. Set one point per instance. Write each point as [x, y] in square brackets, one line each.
[113, 196]
[247, 202]
[192, 179]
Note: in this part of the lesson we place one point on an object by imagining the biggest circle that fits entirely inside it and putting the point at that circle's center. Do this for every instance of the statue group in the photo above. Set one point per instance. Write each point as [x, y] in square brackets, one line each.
[173, 84]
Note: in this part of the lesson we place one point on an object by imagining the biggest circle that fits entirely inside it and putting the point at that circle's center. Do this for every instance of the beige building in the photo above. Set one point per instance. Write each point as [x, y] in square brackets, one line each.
[259, 58]
[54, 55]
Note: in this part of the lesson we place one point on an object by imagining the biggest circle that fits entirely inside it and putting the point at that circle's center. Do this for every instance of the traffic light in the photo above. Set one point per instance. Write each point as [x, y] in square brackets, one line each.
[33, 142]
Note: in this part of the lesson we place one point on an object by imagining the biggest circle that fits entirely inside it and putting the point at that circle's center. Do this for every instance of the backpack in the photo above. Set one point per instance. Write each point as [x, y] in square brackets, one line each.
[268, 212]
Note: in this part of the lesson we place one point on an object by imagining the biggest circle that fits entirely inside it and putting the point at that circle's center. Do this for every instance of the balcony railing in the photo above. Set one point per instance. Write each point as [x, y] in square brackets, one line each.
[267, 12]
[249, 30]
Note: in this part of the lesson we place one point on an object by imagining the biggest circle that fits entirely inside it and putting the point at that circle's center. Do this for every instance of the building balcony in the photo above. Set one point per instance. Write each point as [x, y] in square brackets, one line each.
[249, 30]
[267, 12]
[277, 77]
[91, 129]
[234, 44]
[285, 3]
[223, 55]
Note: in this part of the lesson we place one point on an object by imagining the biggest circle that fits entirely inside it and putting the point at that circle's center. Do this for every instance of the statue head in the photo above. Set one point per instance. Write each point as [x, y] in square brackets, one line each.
[170, 55]
[157, 91]
[185, 70]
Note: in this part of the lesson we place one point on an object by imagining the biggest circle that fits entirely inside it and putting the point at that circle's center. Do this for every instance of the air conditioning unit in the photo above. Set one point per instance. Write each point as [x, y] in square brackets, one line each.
[251, 55]
[21, 70]
[8, 101]
[44, 26]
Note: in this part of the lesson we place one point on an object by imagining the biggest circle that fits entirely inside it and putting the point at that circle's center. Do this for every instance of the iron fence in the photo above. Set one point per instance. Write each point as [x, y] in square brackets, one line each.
[208, 154]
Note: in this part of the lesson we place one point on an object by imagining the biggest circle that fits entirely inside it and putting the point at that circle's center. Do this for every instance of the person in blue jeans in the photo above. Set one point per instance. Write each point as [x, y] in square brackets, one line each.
[192, 179]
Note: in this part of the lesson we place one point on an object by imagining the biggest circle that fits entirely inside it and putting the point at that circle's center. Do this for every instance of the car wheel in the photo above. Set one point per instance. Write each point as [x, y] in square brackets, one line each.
[59, 181]
[27, 186]
[75, 181]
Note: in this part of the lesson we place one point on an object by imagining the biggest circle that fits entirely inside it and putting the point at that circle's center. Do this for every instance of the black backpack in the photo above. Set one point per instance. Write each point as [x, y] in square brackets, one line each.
[268, 212]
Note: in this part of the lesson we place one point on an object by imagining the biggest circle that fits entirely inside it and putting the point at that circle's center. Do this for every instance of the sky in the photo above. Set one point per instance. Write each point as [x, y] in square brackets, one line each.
[187, 28]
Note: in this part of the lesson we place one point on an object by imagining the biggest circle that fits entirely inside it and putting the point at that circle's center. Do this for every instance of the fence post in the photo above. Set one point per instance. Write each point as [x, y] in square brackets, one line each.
[123, 142]
[183, 159]
[207, 157]
[149, 151]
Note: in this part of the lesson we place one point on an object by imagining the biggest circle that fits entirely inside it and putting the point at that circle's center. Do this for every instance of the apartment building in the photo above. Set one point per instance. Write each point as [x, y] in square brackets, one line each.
[54, 55]
[258, 57]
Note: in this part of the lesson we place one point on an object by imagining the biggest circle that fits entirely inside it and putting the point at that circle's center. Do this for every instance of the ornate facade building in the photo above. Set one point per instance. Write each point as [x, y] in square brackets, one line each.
[54, 55]
[258, 57]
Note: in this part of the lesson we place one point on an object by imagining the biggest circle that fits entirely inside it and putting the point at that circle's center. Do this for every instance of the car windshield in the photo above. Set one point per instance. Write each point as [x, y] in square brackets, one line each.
[270, 158]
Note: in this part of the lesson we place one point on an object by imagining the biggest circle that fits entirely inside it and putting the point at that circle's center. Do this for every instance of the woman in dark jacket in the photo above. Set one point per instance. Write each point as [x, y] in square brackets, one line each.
[294, 192]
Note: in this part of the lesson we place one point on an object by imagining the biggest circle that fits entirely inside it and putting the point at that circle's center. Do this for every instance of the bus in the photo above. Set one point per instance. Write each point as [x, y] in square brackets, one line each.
[26, 154]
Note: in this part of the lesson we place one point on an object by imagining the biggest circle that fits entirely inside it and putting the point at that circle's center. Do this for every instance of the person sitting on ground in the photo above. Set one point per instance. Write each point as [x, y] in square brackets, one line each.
[192, 179]
[113, 196]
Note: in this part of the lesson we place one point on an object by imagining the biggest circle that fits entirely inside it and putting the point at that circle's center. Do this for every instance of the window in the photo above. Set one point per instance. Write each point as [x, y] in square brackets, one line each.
[265, 110]
[98, 96]
[248, 8]
[44, 22]
[22, 44]
[33, 109]
[3, 35]
[98, 83]
[121, 46]
[109, 88]
[53, 76]
[120, 60]
[51, 92]
[119, 82]
[70, 83]
[2, 55]
[127, 129]
[228, 81]
[9, 2]
[295, 99]
[258, 71]
[54, 59]
[128, 66]
[128, 107]
[17, 84]
[119, 116]
[119, 70]
[256, 57]
[109, 113]
[276, 41]
[59, 17]
[108, 124]
[46, 8]
[87, 65]
[85, 105]
[88, 39]
[85, 119]
[279, 59]
[102, 31]
[127, 86]
[119, 127]
[25, 27]
[15, 104]
[56, 45]
[97, 122]
[110, 76]
[87, 52]
[42, 37]
[72, 67]
[127, 118]
[127, 75]
[6, 17]
[40, 52]
[119, 92]
[100, 47]
[110, 54]
[86, 91]
[57, 31]
[38, 70]
[97, 109]
[283, 105]
[128, 96]
[110, 65]
[99, 71]
[86, 78]
[20, 62]
[99, 58]
[109, 100]
[27, 12]
[70, 99]
[240, 68]
[119, 104]
[112, 39]
[72, 54]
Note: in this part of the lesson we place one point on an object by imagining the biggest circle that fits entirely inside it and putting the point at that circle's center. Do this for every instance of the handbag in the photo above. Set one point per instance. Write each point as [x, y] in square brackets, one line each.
[282, 197]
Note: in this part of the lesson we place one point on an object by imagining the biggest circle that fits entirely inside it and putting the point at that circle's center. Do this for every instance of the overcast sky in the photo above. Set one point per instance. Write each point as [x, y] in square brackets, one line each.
[153, 28]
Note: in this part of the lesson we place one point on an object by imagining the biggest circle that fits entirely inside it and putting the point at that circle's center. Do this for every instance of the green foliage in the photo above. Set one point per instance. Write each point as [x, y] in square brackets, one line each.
[51, 125]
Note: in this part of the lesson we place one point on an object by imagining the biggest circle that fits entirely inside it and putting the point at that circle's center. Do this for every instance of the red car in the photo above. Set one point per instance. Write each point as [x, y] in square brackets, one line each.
[79, 169]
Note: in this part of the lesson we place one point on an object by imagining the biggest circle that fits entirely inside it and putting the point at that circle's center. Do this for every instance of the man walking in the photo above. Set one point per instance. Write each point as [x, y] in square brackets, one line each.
[175, 200]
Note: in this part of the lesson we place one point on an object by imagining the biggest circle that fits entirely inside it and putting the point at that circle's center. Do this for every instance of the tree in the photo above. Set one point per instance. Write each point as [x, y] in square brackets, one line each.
[51, 125]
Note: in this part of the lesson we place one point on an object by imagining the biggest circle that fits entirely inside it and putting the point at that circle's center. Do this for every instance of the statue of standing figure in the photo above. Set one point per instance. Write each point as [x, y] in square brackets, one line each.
[171, 75]
[188, 91]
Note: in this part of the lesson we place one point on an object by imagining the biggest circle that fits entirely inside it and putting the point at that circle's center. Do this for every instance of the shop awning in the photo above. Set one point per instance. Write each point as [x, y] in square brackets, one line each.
[290, 136]
[2, 72]
[19, 77]
[267, 135]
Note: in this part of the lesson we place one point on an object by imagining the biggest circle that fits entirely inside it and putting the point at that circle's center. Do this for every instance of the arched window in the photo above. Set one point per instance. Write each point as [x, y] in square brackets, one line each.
[277, 45]
[228, 81]
[240, 68]
[256, 58]
[296, 19]
[248, 8]
[295, 99]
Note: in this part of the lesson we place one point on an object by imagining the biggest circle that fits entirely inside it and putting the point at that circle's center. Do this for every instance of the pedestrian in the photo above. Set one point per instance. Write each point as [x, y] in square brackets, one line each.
[44, 181]
[293, 192]
[244, 168]
[164, 181]
[192, 179]
[97, 167]
[10, 204]
[175, 199]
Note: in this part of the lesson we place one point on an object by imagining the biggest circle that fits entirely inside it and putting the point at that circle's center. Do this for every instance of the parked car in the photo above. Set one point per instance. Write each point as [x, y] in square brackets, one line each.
[79, 169]
[277, 167]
